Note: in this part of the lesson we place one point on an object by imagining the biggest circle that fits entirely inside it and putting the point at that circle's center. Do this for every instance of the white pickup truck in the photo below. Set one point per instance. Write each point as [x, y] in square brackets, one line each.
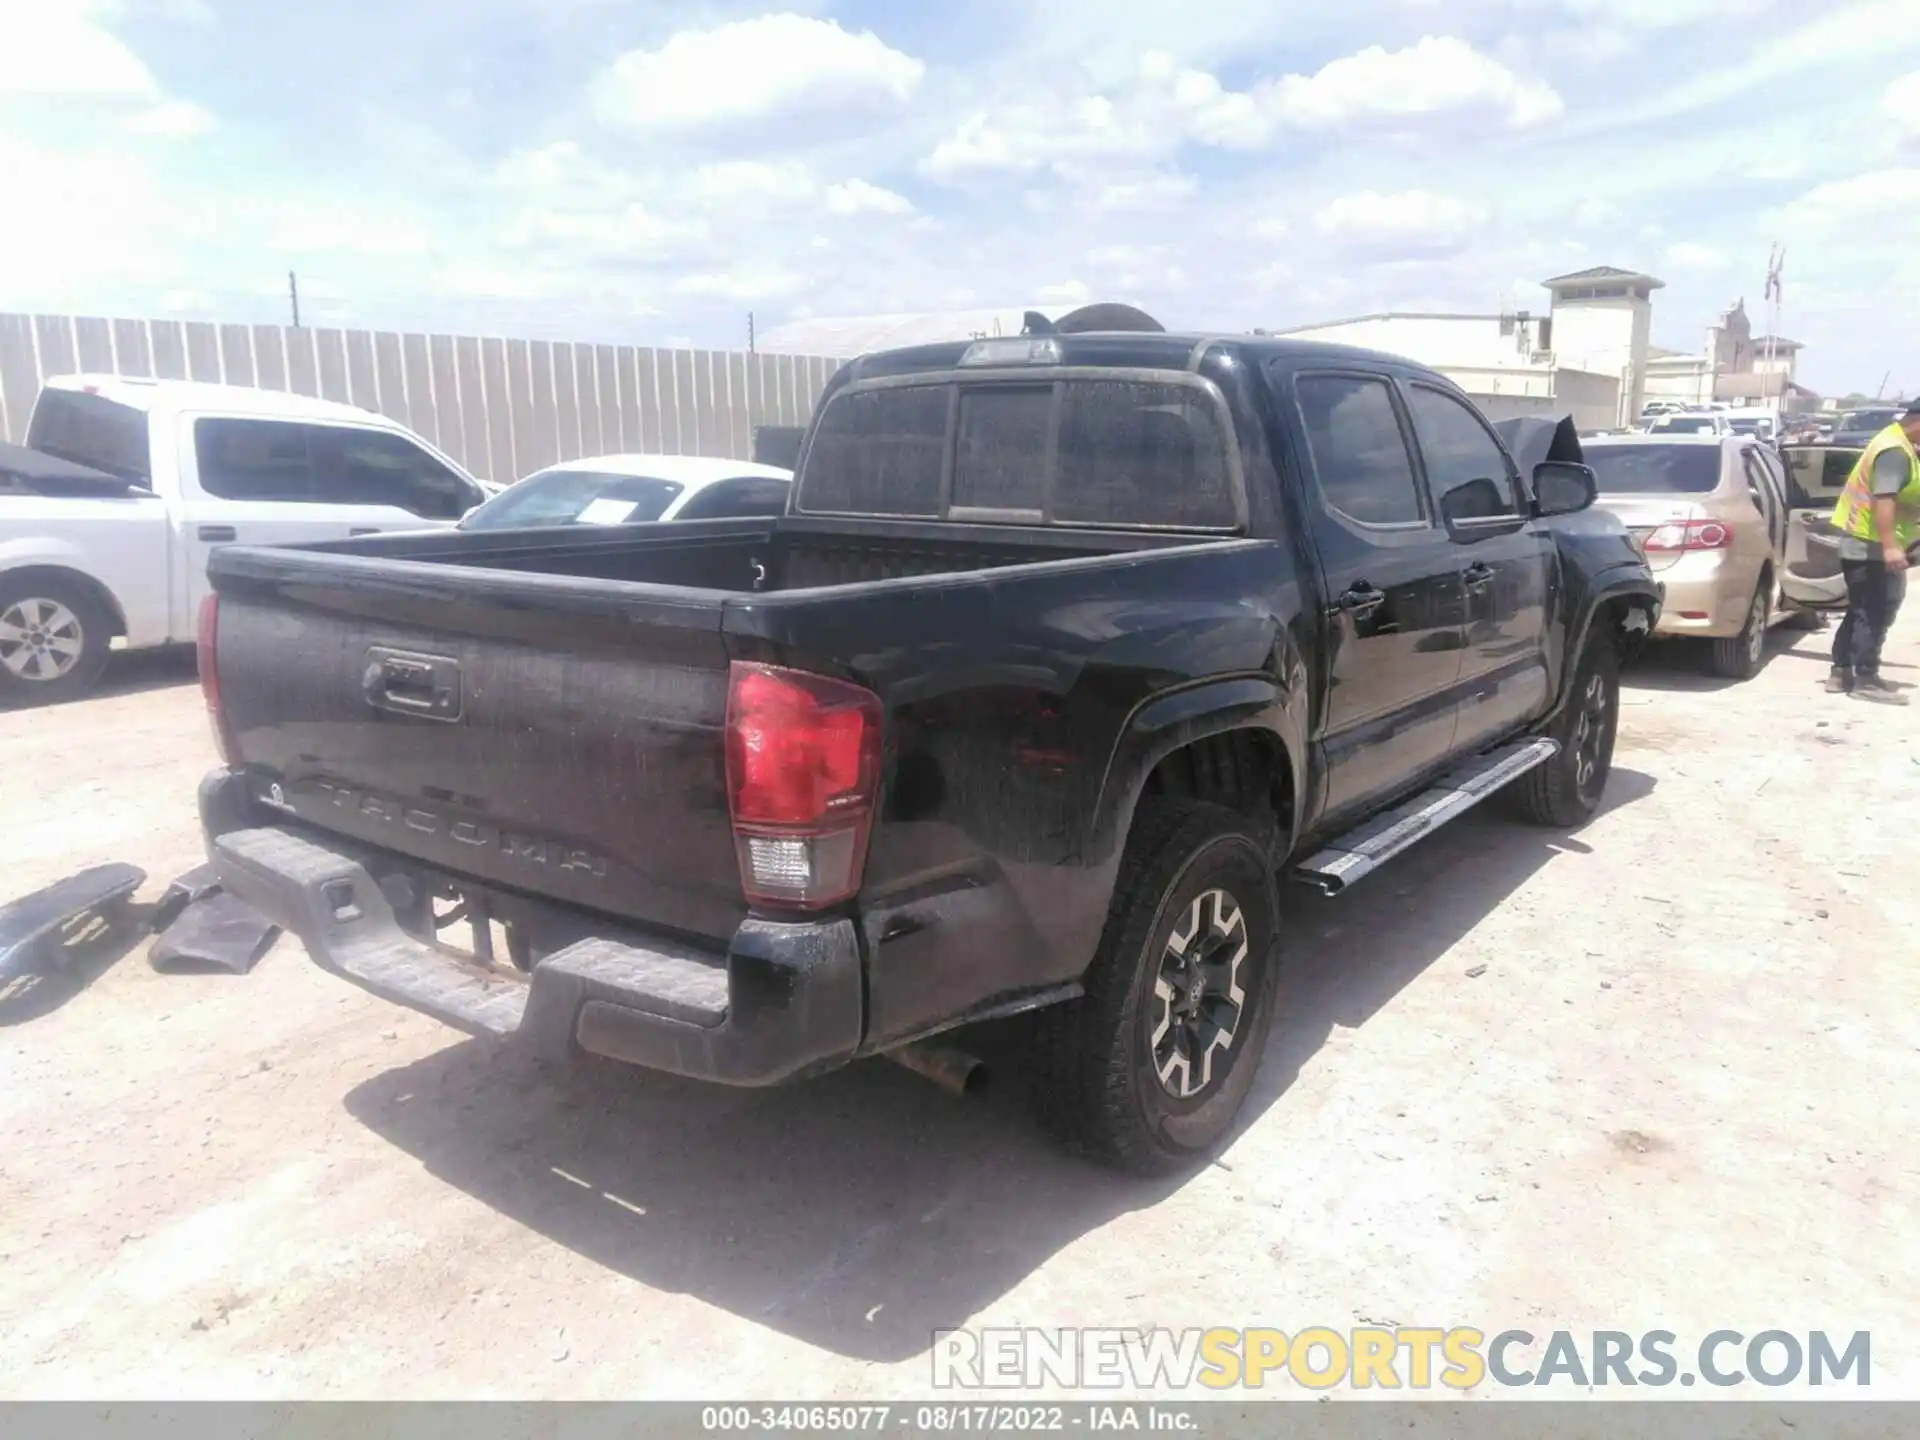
[125, 485]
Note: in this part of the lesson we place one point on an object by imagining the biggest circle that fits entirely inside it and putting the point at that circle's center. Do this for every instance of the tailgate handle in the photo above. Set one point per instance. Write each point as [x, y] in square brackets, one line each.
[409, 684]
[218, 532]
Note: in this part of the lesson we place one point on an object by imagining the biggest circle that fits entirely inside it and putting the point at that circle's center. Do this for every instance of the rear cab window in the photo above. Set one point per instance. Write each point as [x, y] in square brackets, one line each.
[1080, 447]
[94, 431]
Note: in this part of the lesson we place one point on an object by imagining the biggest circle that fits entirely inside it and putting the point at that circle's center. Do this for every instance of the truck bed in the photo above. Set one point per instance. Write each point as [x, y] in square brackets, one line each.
[793, 553]
[543, 711]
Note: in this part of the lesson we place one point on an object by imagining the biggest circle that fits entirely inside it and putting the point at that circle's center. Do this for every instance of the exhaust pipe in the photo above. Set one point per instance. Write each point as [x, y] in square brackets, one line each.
[954, 1071]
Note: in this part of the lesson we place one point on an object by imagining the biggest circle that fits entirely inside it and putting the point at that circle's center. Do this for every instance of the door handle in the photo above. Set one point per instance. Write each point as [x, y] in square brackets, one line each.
[1478, 575]
[1361, 599]
[364, 530]
[218, 532]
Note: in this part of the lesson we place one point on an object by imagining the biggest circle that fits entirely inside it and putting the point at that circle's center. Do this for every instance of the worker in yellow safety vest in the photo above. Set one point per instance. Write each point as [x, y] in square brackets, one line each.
[1878, 518]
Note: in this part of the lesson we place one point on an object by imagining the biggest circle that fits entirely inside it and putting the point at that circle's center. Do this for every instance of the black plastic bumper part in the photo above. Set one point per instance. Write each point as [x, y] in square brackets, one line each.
[784, 1001]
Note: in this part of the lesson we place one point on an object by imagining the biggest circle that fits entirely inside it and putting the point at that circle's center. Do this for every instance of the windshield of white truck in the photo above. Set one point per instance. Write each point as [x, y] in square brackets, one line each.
[90, 430]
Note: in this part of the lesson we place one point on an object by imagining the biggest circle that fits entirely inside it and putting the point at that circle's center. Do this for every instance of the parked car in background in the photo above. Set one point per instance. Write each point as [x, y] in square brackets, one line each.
[1857, 427]
[1710, 514]
[1760, 423]
[1690, 422]
[1653, 409]
[179, 468]
[1816, 474]
[635, 490]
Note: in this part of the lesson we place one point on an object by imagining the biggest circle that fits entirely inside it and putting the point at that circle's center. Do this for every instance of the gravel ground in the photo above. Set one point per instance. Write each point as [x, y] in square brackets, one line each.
[1658, 1074]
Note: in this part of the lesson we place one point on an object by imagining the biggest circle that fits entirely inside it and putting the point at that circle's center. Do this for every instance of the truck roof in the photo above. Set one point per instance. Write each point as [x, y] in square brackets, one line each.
[1152, 350]
[139, 393]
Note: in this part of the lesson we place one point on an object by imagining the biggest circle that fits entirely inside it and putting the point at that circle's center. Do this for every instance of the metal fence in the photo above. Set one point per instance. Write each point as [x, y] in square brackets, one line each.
[501, 407]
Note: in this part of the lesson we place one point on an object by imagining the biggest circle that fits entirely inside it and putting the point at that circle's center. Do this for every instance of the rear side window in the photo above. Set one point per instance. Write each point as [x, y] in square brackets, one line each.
[1359, 451]
[254, 460]
[1079, 451]
[89, 430]
[879, 453]
[1655, 469]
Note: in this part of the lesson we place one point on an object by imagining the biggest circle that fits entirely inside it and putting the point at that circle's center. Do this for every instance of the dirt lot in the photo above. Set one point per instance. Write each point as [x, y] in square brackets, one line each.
[1680, 1093]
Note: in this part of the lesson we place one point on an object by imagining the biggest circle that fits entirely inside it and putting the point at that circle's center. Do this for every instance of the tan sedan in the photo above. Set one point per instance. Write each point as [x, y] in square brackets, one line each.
[1710, 514]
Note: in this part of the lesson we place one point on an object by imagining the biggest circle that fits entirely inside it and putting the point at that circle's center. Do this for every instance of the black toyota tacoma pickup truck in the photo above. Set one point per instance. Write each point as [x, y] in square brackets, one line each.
[1068, 650]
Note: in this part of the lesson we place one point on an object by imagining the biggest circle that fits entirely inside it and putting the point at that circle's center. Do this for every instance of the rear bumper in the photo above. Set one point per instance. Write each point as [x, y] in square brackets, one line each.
[782, 1002]
[1704, 595]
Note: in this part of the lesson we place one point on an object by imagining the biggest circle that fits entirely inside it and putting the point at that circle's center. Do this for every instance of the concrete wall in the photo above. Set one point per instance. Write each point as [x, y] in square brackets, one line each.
[1593, 400]
[1472, 341]
[503, 408]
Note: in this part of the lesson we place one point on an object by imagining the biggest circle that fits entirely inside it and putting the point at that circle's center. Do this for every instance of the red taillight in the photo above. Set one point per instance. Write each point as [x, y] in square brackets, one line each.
[803, 767]
[1689, 535]
[206, 642]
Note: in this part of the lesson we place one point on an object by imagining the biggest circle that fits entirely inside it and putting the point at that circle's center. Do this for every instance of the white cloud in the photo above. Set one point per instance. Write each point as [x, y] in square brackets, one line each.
[1437, 74]
[738, 286]
[1839, 205]
[753, 180]
[1689, 255]
[859, 197]
[171, 120]
[302, 228]
[60, 47]
[1901, 104]
[1163, 106]
[176, 302]
[1067, 292]
[1407, 223]
[1156, 190]
[632, 232]
[752, 71]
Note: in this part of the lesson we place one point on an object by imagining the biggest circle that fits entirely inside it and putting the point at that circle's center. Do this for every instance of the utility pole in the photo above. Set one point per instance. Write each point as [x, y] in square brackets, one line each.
[750, 332]
[293, 298]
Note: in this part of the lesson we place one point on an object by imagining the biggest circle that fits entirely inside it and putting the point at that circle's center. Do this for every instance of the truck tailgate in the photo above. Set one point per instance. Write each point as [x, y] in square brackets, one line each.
[557, 736]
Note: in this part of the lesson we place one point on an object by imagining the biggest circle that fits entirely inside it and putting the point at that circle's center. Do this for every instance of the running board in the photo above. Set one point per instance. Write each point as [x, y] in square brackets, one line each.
[1355, 855]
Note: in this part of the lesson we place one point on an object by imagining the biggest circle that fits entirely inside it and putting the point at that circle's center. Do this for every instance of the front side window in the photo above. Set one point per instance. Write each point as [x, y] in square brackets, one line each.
[373, 467]
[1359, 452]
[1458, 447]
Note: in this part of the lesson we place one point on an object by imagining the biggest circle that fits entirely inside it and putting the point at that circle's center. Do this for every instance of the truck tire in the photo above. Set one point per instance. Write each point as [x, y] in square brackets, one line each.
[1739, 657]
[1566, 790]
[1147, 1070]
[53, 640]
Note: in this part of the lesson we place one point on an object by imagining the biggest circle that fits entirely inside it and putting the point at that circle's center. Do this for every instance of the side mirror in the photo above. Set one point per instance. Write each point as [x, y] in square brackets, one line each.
[1478, 510]
[1561, 487]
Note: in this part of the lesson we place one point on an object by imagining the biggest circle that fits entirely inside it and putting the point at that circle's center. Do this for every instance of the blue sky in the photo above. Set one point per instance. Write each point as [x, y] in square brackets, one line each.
[652, 172]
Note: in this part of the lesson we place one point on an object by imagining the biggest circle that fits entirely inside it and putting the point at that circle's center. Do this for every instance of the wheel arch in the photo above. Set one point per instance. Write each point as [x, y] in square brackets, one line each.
[1234, 741]
[89, 585]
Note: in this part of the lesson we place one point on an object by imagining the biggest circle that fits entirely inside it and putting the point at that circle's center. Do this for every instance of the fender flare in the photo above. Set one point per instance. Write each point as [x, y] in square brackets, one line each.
[1627, 587]
[1170, 719]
